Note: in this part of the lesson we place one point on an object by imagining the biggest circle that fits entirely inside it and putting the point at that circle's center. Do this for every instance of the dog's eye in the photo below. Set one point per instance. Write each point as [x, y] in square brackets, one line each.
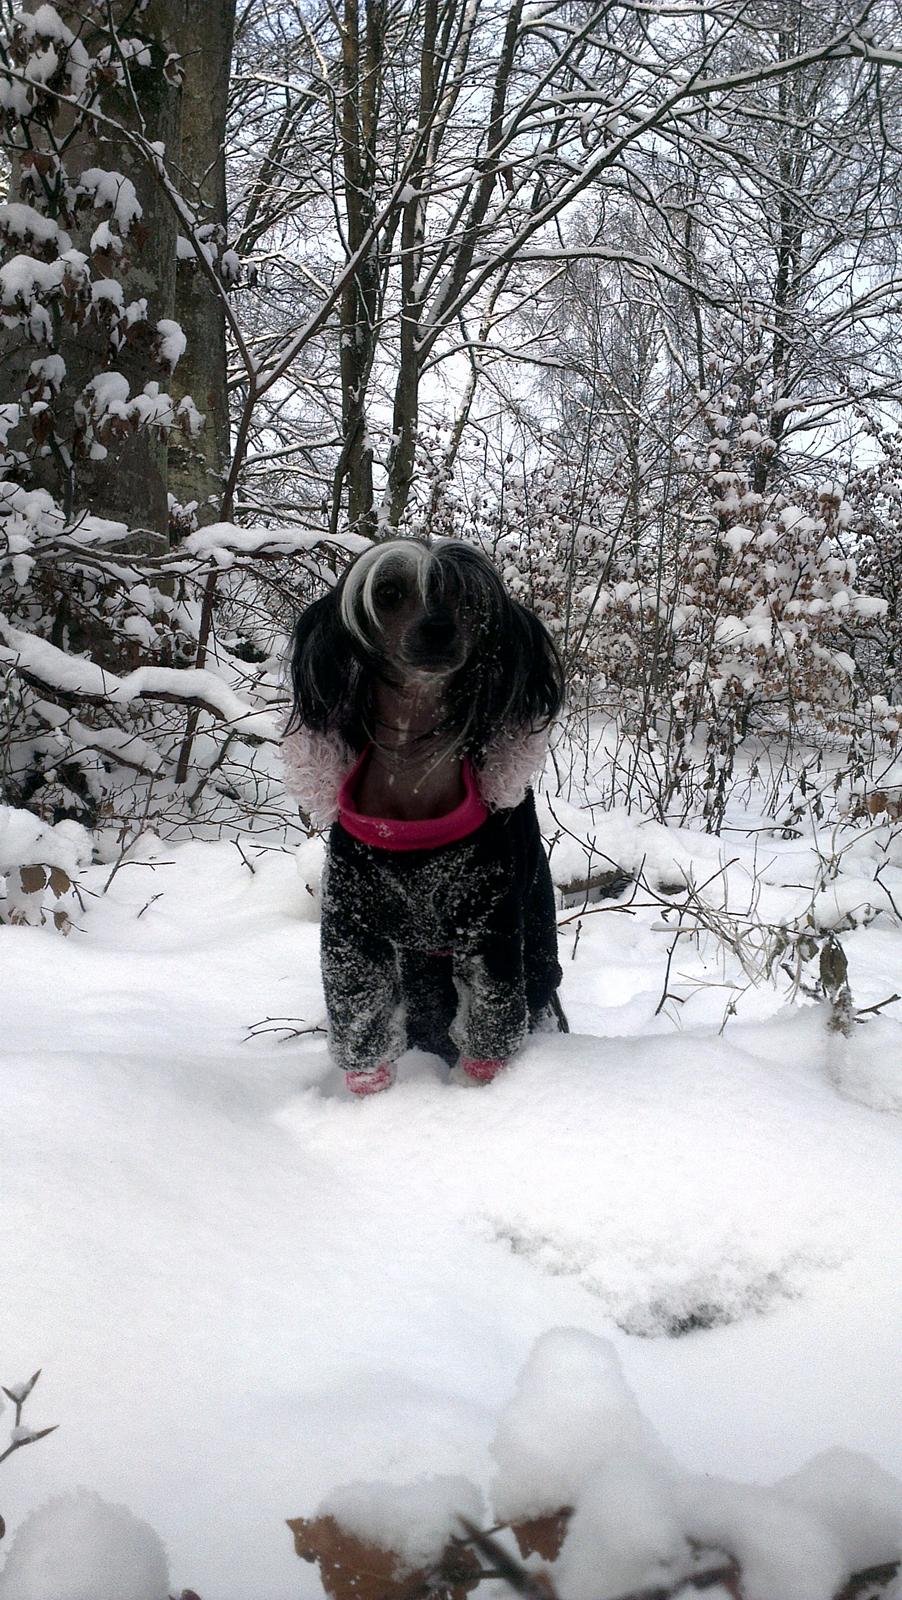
[389, 595]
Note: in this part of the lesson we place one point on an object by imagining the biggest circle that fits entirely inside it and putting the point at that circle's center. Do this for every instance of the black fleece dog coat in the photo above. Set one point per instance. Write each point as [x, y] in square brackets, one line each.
[451, 949]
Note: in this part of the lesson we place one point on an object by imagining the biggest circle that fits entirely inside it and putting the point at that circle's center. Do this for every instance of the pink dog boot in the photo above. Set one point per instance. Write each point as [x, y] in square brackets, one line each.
[482, 1071]
[381, 1077]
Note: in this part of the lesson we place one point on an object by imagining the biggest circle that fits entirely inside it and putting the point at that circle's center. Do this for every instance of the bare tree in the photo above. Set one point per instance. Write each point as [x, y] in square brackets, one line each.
[458, 145]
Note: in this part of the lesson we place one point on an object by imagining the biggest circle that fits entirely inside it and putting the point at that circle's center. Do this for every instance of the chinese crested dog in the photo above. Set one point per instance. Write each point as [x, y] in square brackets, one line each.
[422, 697]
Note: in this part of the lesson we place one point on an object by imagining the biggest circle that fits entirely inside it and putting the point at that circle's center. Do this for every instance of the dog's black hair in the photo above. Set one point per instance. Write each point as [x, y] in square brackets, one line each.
[511, 680]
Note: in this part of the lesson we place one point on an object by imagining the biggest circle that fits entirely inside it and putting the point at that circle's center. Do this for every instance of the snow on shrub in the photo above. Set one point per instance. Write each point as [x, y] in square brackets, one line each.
[378, 1540]
[80, 1547]
[868, 1067]
[779, 1547]
[625, 1533]
[571, 1410]
[110, 653]
[413, 1520]
[72, 616]
[583, 1480]
[21, 1433]
[858, 1500]
[38, 866]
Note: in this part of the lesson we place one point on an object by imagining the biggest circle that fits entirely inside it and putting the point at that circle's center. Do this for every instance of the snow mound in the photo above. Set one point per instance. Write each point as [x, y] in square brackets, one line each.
[861, 1502]
[868, 1067]
[625, 1534]
[571, 1413]
[581, 845]
[780, 1548]
[573, 1440]
[79, 1547]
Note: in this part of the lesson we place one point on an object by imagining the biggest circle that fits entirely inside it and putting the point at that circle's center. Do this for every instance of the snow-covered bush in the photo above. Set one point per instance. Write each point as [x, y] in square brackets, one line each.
[80, 1547]
[875, 492]
[738, 610]
[72, 235]
[583, 1481]
[39, 865]
[78, 337]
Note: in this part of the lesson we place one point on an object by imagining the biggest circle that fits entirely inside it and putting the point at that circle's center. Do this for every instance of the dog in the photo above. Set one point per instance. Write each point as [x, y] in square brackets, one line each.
[422, 695]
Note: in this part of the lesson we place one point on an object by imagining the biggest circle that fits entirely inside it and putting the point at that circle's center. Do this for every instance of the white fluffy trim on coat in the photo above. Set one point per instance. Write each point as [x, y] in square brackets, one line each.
[315, 765]
[510, 766]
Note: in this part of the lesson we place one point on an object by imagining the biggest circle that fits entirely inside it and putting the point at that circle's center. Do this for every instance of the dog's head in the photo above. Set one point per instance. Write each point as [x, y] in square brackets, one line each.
[406, 611]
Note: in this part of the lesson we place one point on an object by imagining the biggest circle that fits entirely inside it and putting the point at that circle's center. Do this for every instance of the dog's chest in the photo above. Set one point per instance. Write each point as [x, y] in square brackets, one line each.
[420, 794]
[422, 900]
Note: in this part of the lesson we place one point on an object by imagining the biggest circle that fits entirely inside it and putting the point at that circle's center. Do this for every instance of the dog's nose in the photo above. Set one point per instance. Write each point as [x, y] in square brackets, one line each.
[438, 629]
[432, 640]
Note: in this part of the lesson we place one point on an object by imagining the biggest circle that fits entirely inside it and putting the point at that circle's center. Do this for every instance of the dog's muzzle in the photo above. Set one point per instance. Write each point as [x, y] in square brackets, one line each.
[433, 644]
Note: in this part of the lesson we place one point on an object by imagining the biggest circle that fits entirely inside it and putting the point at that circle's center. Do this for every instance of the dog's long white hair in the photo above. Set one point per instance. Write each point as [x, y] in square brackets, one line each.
[393, 558]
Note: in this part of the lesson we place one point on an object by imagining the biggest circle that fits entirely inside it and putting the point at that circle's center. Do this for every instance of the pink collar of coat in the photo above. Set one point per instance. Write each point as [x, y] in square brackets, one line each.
[391, 833]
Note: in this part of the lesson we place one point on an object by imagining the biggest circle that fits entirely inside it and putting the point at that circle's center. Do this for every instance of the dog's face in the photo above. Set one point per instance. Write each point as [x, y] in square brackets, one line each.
[407, 605]
[434, 616]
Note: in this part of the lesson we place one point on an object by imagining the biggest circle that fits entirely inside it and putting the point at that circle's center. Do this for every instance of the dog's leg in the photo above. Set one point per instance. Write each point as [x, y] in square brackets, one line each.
[493, 1019]
[360, 982]
[542, 968]
[430, 1001]
[362, 1003]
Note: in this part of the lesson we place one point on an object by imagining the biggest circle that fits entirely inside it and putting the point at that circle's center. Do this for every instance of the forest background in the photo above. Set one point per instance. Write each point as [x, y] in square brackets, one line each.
[612, 289]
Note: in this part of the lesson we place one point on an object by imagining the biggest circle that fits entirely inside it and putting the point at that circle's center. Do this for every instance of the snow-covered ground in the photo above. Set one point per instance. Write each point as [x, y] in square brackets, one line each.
[246, 1289]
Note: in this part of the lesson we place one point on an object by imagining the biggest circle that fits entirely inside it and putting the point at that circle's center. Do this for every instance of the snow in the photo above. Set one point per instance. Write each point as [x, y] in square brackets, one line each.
[23, 1434]
[230, 267]
[848, 901]
[867, 1068]
[109, 289]
[108, 391]
[570, 1412]
[114, 190]
[26, 841]
[50, 369]
[19, 221]
[42, 65]
[781, 1548]
[675, 1249]
[104, 239]
[415, 1520]
[79, 1547]
[626, 1533]
[70, 672]
[22, 278]
[172, 342]
[10, 416]
[222, 540]
[859, 1502]
[46, 23]
[189, 417]
[18, 1391]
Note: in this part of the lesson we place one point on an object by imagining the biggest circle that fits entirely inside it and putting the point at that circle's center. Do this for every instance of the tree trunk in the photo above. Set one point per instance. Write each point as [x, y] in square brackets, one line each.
[361, 83]
[203, 36]
[130, 485]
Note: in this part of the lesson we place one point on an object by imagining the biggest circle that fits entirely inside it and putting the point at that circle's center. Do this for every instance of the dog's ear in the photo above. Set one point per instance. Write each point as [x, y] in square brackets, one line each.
[325, 671]
[513, 681]
[536, 671]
